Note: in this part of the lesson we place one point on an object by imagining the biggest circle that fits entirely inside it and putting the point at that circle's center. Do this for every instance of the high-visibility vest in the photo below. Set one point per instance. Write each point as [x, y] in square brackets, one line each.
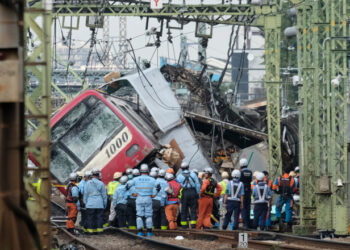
[223, 185]
[37, 185]
[112, 186]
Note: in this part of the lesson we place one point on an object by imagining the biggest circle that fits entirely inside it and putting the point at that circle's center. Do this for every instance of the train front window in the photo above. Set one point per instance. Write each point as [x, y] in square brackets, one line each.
[61, 164]
[92, 132]
[68, 121]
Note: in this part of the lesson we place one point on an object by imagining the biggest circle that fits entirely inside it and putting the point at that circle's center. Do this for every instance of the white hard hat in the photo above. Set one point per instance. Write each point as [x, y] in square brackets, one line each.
[297, 169]
[153, 174]
[128, 171]
[154, 169]
[73, 177]
[209, 170]
[169, 176]
[184, 165]
[224, 175]
[95, 171]
[87, 173]
[135, 172]
[144, 168]
[243, 162]
[123, 179]
[117, 175]
[260, 176]
[236, 174]
[161, 173]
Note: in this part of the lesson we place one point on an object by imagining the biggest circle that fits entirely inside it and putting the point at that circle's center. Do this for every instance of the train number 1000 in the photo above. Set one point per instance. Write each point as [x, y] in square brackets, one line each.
[117, 145]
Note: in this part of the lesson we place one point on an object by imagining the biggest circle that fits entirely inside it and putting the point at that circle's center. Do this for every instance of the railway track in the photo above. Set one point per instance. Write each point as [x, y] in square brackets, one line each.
[257, 239]
[147, 243]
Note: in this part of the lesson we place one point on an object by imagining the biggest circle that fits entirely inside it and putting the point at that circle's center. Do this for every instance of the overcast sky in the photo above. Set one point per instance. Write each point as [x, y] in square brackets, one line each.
[217, 46]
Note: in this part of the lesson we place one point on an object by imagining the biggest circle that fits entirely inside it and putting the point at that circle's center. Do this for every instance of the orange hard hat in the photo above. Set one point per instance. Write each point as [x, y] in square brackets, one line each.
[170, 170]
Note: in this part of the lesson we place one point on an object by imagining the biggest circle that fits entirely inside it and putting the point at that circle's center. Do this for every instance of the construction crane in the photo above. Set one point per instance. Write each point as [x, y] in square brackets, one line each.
[322, 50]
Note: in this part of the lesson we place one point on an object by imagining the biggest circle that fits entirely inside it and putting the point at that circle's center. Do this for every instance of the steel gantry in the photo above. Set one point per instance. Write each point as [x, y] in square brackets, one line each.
[322, 116]
[37, 61]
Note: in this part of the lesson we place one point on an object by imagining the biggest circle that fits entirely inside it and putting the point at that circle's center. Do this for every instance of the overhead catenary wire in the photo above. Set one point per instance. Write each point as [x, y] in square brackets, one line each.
[140, 71]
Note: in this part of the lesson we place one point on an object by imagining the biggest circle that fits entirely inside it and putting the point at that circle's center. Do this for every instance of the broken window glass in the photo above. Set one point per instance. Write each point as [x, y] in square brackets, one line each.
[61, 164]
[91, 133]
[68, 121]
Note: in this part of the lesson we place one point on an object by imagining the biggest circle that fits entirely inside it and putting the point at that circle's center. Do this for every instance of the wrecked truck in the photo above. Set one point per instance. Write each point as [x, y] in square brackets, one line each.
[122, 124]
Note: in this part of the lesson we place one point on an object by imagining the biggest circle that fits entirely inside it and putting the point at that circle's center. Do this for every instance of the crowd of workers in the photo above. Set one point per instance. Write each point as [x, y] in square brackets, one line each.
[156, 198]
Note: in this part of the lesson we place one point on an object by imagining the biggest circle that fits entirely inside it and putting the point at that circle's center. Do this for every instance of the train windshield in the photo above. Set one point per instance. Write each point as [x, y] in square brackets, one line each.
[81, 134]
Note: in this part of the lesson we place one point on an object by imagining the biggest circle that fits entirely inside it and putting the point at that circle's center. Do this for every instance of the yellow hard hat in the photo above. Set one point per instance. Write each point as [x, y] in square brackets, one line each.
[117, 175]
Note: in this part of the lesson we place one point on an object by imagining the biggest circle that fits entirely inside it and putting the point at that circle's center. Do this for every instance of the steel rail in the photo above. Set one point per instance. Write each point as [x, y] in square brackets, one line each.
[146, 241]
[258, 239]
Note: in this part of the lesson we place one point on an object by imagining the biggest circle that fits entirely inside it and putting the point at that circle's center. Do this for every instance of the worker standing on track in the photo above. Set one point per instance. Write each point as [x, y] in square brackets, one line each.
[156, 202]
[145, 190]
[205, 203]
[131, 200]
[72, 198]
[285, 186]
[112, 185]
[190, 191]
[268, 216]
[223, 183]
[119, 202]
[233, 201]
[95, 200]
[246, 179]
[262, 201]
[81, 187]
[159, 218]
[172, 203]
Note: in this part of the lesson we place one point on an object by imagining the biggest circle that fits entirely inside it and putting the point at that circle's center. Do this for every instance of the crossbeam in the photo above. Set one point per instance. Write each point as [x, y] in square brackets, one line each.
[211, 14]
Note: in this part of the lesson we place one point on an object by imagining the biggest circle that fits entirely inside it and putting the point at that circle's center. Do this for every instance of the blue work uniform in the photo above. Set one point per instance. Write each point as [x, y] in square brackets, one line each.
[81, 187]
[145, 188]
[261, 195]
[189, 199]
[159, 218]
[131, 205]
[95, 200]
[120, 204]
[285, 186]
[246, 179]
[234, 191]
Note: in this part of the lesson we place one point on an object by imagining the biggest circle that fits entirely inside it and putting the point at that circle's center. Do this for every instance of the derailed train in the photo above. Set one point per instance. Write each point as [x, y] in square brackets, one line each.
[100, 129]
[126, 122]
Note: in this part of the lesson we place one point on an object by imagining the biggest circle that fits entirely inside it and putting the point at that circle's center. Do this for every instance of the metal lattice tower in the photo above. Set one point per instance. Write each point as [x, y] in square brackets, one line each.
[322, 119]
[106, 41]
[272, 85]
[38, 19]
[123, 44]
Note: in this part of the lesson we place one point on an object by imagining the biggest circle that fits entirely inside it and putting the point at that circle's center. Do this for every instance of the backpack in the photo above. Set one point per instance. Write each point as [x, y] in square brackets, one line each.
[284, 187]
[69, 197]
[211, 187]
